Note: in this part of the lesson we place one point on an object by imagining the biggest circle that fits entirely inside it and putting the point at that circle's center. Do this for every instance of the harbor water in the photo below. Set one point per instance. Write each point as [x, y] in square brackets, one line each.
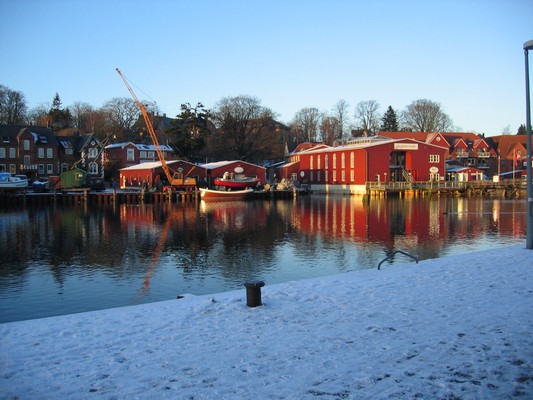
[59, 260]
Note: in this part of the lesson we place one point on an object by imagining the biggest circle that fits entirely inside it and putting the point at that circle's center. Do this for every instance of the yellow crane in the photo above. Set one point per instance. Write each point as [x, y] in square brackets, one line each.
[175, 179]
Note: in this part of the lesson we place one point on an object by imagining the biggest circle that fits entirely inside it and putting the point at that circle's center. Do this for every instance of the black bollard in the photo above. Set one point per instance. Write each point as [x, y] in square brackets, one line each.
[253, 293]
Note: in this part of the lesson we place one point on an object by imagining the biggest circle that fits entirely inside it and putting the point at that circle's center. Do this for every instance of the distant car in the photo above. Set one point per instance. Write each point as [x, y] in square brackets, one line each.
[40, 186]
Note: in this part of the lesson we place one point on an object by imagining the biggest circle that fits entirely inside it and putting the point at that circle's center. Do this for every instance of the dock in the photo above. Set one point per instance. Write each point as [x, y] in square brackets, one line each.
[504, 189]
[115, 197]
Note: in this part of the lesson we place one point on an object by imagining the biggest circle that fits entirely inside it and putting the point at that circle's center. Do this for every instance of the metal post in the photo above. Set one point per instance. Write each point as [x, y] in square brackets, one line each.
[529, 212]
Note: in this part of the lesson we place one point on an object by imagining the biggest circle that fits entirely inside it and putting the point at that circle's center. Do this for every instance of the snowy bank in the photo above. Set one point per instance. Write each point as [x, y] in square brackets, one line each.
[449, 328]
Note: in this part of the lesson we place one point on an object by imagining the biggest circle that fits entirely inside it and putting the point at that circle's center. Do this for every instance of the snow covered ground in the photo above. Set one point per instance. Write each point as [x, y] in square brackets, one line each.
[449, 328]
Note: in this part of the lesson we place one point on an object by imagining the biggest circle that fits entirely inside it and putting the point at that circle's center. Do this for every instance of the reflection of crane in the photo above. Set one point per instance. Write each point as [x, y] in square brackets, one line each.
[175, 179]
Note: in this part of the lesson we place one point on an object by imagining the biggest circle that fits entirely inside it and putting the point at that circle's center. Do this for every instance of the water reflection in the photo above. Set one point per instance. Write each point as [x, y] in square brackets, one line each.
[61, 260]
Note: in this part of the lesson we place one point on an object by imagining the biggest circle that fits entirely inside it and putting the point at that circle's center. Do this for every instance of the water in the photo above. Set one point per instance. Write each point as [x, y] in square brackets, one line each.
[58, 261]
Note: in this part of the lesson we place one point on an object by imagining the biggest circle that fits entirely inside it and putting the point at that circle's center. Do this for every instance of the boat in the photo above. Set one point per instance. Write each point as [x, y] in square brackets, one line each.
[9, 182]
[236, 180]
[220, 195]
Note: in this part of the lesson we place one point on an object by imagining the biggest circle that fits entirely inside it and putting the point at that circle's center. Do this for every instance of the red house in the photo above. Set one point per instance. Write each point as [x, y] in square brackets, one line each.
[348, 168]
[152, 173]
[217, 169]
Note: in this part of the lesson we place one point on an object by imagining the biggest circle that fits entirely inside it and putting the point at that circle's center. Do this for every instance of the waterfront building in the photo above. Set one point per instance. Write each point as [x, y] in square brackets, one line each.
[348, 168]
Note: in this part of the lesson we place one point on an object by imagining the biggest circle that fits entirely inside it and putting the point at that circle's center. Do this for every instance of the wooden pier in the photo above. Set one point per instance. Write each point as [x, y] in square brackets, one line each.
[115, 197]
[505, 189]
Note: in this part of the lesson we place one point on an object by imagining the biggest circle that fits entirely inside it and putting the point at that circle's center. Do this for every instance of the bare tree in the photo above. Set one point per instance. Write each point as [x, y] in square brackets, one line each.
[426, 116]
[39, 115]
[121, 114]
[329, 129]
[245, 125]
[81, 115]
[341, 114]
[306, 123]
[12, 106]
[367, 116]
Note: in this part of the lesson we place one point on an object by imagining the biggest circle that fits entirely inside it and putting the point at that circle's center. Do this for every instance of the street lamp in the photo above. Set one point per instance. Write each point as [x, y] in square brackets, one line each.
[529, 238]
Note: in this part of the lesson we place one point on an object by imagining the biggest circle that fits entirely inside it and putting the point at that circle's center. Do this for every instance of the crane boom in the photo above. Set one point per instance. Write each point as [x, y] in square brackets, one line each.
[176, 179]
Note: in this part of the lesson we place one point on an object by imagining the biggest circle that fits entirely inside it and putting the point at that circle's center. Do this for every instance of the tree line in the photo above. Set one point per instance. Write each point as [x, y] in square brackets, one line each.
[237, 127]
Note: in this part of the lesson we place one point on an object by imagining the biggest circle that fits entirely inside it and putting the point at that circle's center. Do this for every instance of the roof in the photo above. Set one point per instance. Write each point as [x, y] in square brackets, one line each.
[149, 165]
[147, 147]
[221, 164]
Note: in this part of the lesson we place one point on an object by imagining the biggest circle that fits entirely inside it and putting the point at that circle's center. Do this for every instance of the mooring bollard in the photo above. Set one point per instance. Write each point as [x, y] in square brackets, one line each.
[253, 293]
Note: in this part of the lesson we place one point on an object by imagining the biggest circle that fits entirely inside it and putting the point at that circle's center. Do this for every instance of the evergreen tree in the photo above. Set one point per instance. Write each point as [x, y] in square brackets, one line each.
[59, 118]
[389, 122]
[522, 130]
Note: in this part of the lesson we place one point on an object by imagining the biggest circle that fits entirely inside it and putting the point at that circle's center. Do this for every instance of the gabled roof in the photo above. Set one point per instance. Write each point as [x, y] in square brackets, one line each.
[505, 144]
[152, 165]
[40, 134]
[221, 164]
[305, 146]
[147, 147]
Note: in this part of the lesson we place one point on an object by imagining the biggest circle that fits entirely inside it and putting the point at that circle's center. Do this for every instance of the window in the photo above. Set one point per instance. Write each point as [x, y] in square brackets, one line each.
[12, 169]
[69, 151]
[311, 163]
[27, 160]
[12, 152]
[26, 144]
[434, 158]
[318, 175]
[318, 163]
[40, 152]
[142, 154]
[131, 155]
[334, 176]
[93, 168]
[151, 154]
[311, 176]
[64, 167]
[326, 159]
[334, 162]
[49, 169]
[50, 153]
[343, 175]
[41, 169]
[352, 175]
[343, 161]
[2, 152]
[294, 176]
[93, 152]
[352, 160]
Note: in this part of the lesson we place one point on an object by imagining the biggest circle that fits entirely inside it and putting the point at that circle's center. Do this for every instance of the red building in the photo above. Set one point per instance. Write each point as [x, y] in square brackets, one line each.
[348, 168]
[217, 169]
[152, 172]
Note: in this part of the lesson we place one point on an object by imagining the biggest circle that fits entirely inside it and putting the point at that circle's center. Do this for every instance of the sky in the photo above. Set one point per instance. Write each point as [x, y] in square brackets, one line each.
[457, 327]
[466, 55]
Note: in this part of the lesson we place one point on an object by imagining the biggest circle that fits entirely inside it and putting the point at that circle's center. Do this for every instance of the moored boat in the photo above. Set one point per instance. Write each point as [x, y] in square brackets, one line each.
[9, 182]
[219, 195]
[236, 180]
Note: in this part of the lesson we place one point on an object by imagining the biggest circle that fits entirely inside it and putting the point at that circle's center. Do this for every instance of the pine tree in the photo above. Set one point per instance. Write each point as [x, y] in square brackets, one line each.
[389, 123]
[522, 130]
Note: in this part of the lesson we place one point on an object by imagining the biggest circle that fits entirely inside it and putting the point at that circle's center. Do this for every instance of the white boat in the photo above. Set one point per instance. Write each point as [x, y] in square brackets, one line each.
[9, 182]
[219, 195]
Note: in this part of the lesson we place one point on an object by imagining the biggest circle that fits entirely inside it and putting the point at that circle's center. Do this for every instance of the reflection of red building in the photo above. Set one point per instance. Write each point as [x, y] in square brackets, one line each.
[348, 168]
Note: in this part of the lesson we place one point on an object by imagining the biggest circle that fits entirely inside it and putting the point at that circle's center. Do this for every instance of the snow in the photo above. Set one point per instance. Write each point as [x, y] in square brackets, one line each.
[449, 328]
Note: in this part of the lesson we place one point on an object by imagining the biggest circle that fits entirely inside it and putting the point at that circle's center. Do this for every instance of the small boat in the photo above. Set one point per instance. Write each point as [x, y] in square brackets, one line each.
[236, 180]
[220, 195]
[9, 182]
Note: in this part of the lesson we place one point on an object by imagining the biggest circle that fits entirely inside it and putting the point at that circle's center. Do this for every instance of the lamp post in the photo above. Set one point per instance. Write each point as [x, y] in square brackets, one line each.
[529, 212]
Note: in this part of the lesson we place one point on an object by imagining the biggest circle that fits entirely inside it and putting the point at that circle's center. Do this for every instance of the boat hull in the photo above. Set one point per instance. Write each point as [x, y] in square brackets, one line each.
[221, 195]
[236, 183]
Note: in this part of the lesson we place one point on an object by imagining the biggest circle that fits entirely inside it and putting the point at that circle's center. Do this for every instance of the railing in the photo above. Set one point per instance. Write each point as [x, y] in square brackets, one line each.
[391, 255]
[483, 154]
[453, 185]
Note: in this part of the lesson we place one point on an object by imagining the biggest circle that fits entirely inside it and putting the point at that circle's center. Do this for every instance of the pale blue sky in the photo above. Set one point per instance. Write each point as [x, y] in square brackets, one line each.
[464, 54]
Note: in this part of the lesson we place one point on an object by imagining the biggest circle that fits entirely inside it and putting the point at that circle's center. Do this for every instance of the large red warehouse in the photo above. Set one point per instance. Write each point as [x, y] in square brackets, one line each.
[348, 168]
